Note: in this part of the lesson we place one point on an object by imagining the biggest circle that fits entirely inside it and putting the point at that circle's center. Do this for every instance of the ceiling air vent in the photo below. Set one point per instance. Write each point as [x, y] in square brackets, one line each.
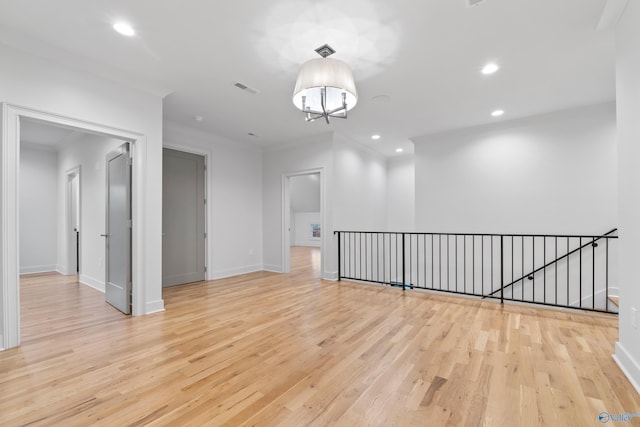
[472, 3]
[245, 88]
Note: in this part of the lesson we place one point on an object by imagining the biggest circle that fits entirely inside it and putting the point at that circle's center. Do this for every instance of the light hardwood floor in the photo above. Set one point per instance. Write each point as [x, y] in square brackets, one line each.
[292, 350]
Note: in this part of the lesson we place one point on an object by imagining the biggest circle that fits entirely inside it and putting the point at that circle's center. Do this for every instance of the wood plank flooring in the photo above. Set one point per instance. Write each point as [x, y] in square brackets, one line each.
[291, 350]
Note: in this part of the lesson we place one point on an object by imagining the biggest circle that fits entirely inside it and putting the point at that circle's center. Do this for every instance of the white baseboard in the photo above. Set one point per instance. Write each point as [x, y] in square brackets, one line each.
[60, 270]
[1, 343]
[629, 366]
[272, 268]
[91, 282]
[38, 269]
[154, 307]
[221, 274]
[330, 275]
[614, 292]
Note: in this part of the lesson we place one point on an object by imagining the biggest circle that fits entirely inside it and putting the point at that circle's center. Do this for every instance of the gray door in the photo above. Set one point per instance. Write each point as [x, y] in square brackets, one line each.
[118, 230]
[183, 218]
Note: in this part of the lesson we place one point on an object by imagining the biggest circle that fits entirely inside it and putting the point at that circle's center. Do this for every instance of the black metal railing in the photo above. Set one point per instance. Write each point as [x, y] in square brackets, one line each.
[570, 271]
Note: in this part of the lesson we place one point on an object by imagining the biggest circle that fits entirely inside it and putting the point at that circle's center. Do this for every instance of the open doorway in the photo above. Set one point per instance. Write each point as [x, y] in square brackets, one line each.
[303, 223]
[12, 260]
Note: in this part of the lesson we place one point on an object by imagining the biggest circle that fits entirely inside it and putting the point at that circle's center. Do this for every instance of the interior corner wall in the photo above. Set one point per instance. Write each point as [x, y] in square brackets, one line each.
[39, 84]
[628, 117]
[89, 152]
[38, 209]
[234, 200]
[360, 182]
[314, 153]
[401, 194]
[549, 174]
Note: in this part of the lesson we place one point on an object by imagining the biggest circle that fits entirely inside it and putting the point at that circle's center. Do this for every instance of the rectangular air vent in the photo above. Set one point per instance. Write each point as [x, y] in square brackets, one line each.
[245, 88]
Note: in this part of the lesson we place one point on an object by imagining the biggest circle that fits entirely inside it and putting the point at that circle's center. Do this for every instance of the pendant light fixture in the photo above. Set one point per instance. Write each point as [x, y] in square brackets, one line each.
[325, 87]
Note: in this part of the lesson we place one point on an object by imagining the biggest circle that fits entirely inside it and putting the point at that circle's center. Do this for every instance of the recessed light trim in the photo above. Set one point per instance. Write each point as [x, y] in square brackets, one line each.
[375, 137]
[497, 113]
[124, 29]
[490, 68]
[399, 150]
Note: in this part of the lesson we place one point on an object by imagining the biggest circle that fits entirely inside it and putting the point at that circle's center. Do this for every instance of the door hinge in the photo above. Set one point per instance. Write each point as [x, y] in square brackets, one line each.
[205, 268]
[205, 201]
[205, 235]
[129, 223]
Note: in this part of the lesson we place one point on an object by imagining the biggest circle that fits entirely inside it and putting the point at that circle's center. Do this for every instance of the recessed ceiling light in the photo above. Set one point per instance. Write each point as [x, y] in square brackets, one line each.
[198, 118]
[490, 68]
[399, 150]
[497, 113]
[124, 29]
[375, 137]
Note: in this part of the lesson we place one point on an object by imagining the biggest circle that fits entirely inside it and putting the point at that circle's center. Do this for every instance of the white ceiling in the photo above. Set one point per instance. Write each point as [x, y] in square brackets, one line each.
[425, 56]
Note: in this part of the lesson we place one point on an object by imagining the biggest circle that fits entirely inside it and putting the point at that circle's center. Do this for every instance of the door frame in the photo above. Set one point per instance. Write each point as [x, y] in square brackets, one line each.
[208, 222]
[9, 209]
[70, 174]
[286, 220]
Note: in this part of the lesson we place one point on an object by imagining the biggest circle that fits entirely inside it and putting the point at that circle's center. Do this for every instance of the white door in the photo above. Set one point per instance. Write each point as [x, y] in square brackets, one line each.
[118, 230]
[183, 218]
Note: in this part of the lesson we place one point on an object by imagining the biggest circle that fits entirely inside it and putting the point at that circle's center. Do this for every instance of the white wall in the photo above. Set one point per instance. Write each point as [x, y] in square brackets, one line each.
[360, 187]
[89, 152]
[553, 173]
[42, 85]
[234, 207]
[302, 234]
[38, 208]
[628, 115]
[401, 194]
[314, 153]
[305, 193]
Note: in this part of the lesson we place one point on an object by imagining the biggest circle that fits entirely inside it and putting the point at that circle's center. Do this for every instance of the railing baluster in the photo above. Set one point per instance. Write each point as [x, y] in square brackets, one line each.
[568, 281]
[339, 259]
[403, 262]
[439, 261]
[448, 268]
[555, 268]
[456, 258]
[473, 263]
[512, 251]
[533, 264]
[593, 275]
[482, 264]
[580, 300]
[522, 266]
[606, 277]
[501, 269]
[432, 281]
[544, 269]
[464, 262]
